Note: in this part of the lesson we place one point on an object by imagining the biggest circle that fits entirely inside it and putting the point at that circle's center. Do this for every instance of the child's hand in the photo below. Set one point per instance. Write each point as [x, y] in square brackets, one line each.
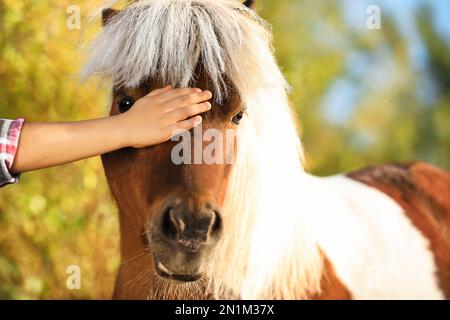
[153, 119]
[162, 114]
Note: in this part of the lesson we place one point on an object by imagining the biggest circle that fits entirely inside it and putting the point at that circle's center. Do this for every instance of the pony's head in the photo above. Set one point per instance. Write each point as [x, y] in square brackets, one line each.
[205, 213]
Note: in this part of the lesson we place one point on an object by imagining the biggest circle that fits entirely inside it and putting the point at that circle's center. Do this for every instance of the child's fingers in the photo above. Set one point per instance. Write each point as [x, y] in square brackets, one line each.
[189, 111]
[189, 99]
[159, 91]
[174, 93]
[185, 125]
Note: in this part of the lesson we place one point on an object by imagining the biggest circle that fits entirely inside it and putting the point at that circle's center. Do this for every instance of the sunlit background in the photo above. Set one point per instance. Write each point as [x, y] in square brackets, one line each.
[362, 96]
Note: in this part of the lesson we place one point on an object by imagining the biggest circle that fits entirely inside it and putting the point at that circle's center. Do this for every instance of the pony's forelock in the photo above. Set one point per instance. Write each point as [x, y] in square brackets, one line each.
[167, 39]
[266, 250]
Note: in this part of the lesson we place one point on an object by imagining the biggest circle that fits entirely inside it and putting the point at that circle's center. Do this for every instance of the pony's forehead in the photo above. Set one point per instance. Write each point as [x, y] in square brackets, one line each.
[174, 40]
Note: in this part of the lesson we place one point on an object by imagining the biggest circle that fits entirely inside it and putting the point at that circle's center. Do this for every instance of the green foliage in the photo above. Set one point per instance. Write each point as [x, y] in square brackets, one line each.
[389, 121]
[63, 216]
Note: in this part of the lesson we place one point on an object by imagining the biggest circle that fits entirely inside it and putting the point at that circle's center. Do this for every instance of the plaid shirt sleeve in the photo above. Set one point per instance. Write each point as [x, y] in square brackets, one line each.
[9, 140]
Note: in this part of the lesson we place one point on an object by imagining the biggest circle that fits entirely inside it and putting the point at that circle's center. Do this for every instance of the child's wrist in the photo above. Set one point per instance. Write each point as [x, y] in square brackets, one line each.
[120, 127]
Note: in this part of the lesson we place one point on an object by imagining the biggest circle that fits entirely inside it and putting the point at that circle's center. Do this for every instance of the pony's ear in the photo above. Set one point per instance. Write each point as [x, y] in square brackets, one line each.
[250, 4]
[107, 14]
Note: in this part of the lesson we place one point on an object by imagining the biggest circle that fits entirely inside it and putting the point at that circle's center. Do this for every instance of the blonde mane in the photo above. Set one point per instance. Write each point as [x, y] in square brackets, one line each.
[266, 251]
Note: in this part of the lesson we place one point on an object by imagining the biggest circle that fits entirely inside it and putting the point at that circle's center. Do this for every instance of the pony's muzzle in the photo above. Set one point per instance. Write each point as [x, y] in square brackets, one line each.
[183, 239]
[190, 229]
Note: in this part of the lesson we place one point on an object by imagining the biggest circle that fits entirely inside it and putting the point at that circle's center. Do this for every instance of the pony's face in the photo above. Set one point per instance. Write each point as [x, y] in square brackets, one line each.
[173, 209]
[171, 198]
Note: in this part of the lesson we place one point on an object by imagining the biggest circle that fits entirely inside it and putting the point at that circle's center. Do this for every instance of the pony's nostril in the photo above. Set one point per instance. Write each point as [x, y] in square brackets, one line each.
[216, 223]
[172, 225]
[179, 224]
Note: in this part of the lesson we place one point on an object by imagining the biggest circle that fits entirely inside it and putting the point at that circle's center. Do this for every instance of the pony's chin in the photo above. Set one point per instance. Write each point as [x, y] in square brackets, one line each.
[165, 273]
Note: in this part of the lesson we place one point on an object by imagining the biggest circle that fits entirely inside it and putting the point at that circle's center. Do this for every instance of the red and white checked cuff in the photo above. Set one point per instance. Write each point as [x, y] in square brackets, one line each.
[9, 140]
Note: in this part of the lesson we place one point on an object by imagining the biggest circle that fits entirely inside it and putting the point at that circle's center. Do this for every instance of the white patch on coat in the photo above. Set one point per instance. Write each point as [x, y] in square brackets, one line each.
[375, 249]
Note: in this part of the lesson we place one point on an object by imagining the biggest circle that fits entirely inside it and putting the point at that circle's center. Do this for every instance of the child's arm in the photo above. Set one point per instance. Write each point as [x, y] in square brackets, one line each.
[153, 119]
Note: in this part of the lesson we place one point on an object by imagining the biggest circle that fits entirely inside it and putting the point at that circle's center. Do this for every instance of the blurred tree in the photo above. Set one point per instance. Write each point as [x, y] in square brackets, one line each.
[61, 216]
[308, 45]
[388, 119]
[435, 116]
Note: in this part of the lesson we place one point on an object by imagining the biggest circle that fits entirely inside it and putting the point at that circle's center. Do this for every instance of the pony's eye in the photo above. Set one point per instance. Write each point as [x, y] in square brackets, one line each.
[125, 104]
[237, 118]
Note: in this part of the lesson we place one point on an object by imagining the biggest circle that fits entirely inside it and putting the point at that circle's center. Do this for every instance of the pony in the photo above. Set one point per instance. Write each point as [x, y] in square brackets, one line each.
[259, 227]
